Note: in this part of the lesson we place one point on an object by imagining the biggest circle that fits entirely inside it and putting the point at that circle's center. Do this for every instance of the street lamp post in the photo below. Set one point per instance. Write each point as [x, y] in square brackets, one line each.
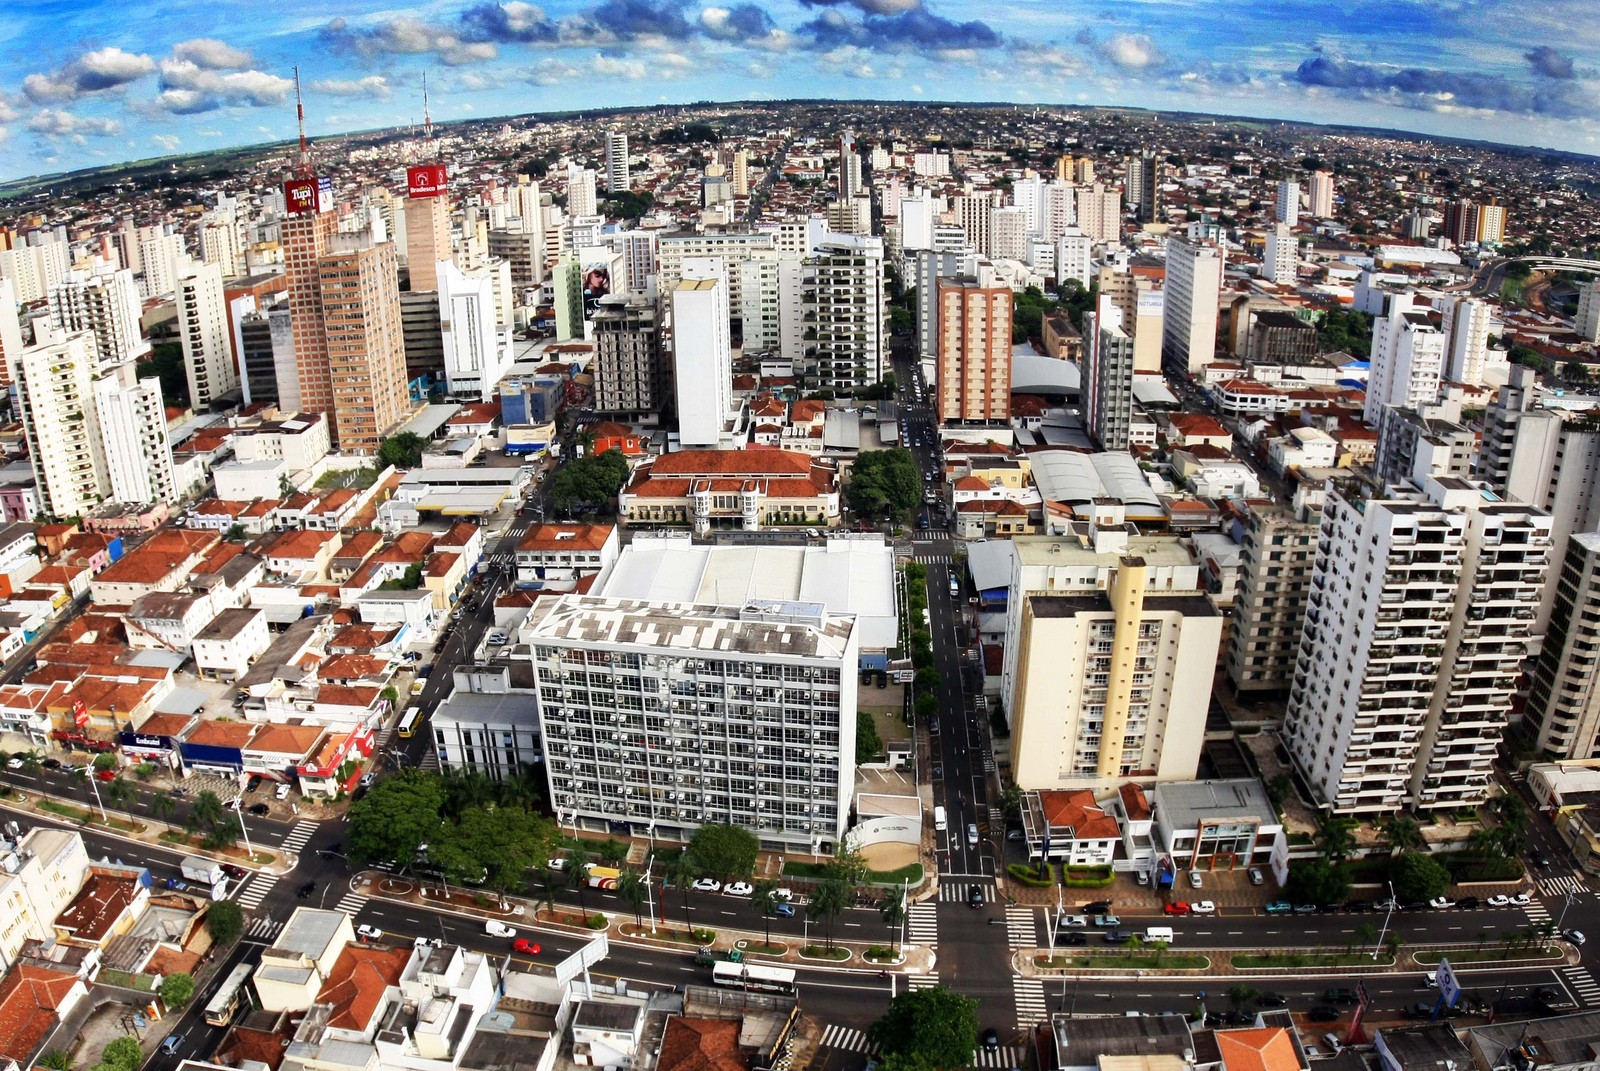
[1386, 917]
[95, 788]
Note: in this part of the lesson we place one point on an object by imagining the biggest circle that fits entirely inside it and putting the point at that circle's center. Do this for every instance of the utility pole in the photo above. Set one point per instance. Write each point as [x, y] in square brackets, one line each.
[1387, 916]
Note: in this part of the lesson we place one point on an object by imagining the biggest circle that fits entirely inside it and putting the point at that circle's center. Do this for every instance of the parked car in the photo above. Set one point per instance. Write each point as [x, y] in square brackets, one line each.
[235, 871]
[253, 783]
[1340, 995]
[1256, 877]
[525, 946]
[106, 775]
[55, 764]
[1439, 903]
[706, 885]
[1576, 937]
[1176, 907]
[1522, 899]
[1305, 909]
[177, 885]
[1271, 1000]
[369, 933]
[1499, 901]
[367, 779]
[1279, 907]
[783, 910]
[1203, 907]
[1323, 1013]
[1467, 903]
[1117, 937]
[1195, 880]
[1097, 907]
[1357, 907]
[281, 792]
[14, 763]
[1106, 921]
[739, 888]
[1072, 939]
[496, 928]
[259, 809]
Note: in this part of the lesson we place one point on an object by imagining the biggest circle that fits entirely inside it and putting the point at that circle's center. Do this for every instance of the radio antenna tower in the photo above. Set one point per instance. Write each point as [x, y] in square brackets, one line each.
[302, 165]
[427, 120]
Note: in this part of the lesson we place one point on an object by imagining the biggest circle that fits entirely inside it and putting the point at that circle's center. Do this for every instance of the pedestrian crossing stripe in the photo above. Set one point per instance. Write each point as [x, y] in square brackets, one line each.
[844, 1037]
[1032, 1007]
[957, 894]
[922, 981]
[1583, 983]
[303, 831]
[1020, 927]
[351, 904]
[264, 927]
[255, 890]
[1003, 1057]
[1562, 885]
[922, 924]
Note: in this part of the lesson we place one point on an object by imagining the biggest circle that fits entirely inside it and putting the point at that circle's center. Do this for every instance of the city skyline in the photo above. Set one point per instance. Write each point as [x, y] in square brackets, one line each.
[91, 84]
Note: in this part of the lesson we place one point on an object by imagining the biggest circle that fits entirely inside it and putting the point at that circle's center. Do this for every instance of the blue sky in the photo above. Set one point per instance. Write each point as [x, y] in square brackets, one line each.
[97, 81]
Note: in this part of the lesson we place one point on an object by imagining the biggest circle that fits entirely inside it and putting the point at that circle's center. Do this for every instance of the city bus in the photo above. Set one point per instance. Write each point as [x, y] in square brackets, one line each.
[753, 976]
[232, 994]
[408, 722]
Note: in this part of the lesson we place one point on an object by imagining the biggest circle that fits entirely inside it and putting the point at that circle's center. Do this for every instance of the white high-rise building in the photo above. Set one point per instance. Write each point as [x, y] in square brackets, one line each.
[477, 350]
[639, 255]
[34, 270]
[767, 742]
[1281, 261]
[1028, 194]
[1562, 717]
[1060, 211]
[849, 167]
[220, 243]
[203, 332]
[1467, 325]
[1287, 208]
[10, 329]
[1420, 611]
[1321, 194]
[1100, 213]
[1008, 233]
[1189, 324]
[618, 178]
[104, 301]
[133, 433]
[974, 213]
[581, 198]
[918, 213]
[1107, 377]
[1074, 257]
[702, 355]
[1407, 360]
[163, 257]
[741, 173]
[55, 398]
[843, 283]
[931, 164]
[1587, 323]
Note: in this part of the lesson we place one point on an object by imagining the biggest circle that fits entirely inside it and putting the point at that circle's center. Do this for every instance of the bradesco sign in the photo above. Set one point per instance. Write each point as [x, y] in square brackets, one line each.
[429, 180]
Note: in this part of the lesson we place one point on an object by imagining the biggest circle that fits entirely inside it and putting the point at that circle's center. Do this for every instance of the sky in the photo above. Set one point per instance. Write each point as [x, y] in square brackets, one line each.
[90, 82]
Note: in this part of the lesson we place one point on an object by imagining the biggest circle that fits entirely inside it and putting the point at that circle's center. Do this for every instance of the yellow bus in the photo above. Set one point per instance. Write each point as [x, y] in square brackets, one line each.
[408, 722]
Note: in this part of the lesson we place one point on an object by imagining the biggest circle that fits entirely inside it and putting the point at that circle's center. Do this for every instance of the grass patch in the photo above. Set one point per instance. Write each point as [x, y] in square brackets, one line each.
[1247, 960]
[1031, 876]
[1486, 955]
[910, 874]
[1143, 961]
[1087, 877]
[78, 814]
[144, 983]
[765, 950]
[823, 952]
[796, 869]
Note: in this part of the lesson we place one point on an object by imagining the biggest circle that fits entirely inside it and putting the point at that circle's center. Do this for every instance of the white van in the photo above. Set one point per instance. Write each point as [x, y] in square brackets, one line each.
[941, 821]
[1158, 933]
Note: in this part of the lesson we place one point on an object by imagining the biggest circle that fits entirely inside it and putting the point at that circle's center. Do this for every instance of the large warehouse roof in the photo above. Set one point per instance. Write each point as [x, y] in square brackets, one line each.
[1073, 478]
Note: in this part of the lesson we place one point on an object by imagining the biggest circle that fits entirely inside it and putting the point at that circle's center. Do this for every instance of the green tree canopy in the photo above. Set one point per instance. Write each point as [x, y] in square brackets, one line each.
[1348, 331]
[505, 842]
[122, 1054]
[589, 481]
[225, 921]
[869, 744]
[884, 483]
[403, 451]
[166, 364]
[177, 989]
[1317, 881]
[1417, 876]
[396, 815]
[934, 1027]
[725, 852]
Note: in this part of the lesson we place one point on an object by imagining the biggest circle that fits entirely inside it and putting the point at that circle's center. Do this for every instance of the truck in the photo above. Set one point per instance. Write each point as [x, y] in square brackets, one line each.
[205, 871]
[708, 956]
[603, 877]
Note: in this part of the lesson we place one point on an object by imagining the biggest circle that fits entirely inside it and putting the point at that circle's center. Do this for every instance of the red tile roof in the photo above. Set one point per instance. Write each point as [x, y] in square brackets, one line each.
[356, 985]
[701, 1045]
[1264, 1049]
[29, 997]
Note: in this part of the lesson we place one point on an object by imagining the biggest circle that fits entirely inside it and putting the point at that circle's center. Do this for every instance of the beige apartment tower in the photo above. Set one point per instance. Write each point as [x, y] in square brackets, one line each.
[365, 344]
[427, 240]
[974, 379]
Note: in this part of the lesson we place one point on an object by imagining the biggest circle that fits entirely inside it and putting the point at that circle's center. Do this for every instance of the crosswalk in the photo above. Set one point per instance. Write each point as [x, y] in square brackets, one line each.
[303, 831]
[351, 903]
[263, 928]
[1032, 1007]
[1003, 1057]
[1021, 928]
[929, 558]
[1537, 913]
[922, 981]
[922, 925]
[988, 761]
[997, 817]
[1581, 981]
[1560, 886]
[844, 1037]
[956, 893]
[429, 760]
[252, 892]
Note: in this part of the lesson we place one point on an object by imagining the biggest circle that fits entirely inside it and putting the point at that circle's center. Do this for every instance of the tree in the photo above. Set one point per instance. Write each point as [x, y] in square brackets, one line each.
[681, 871]
[1240, 994]
[396, 815]
[121, 792]
[869, 745]
[225, 833]
[1418, 876]
[591, 482]
[884, 483]
[578, 866]
[1011, 801]
[225, 921]
[177, 989]
[162, 804]
[166, 364]
[403, 451]
[926, 707]
[105, 761]
[827, 900]
[207, 810]
[725, 852]
[893, 913]
[765, 901]
[1317, 881]
[1402, 832]
[1576, 371]
[1338, 836]
[56, 1060]
[122, 1054]
[848, 867]
[498, 844]
[634, 890]
[936, 1026]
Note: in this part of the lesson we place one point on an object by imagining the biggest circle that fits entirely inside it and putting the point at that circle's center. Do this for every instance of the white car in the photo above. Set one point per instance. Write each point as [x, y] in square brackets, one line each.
[498, 929]
[1522, 899]
[1431, 979]
[1203, 907]
[1575, 936]
[707, 885]
[1499, 901]
[1441, 902]
[1195, 880]
[739, 888]
[369, 933]
[782, 895]
[281, 792]
[14, 764]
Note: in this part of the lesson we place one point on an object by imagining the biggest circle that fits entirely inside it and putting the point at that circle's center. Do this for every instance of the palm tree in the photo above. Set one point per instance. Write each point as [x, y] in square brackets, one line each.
[893, 912]
[1483, 841]
[1338, 837]
[1241, 994]
[1402, 832]
[553, 877]
[162, 804]
[577, 865]
[633, 889]
[765, 901]
[122, 793]
[827, 900]
[680, 871]
[206, 810]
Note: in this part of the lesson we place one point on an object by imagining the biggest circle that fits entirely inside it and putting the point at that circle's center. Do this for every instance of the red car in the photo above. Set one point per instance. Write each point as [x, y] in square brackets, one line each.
[106, 775]
[525, 946]
[1177, 907]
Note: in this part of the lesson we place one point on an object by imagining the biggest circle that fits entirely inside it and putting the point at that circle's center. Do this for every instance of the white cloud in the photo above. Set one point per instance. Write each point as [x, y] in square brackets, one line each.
[168, 142]
[616, 67]
[93, 72]
[55, 123]
[375, 85]
[209, 52]
[407, 36]
[188, 87]
[1134, 51]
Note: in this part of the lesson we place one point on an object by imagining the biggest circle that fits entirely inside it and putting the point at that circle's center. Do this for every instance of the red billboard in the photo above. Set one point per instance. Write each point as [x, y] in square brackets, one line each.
[300, 196]
[429, 180]
[80, 713]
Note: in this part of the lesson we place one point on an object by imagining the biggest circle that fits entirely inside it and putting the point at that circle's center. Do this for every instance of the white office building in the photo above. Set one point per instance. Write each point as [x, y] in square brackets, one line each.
[133, 433]
[55, 398]
[662, 717]
[1321, 194]
[618, 179]
[1189, 323]
[1281, 262]
[1467, 327]
[203, 333]
[1421, 609]
[581, 198]
[1287, 208]
[477, 351]
[1407, 360]
[104, 301]
[162, 258]
[702, 355]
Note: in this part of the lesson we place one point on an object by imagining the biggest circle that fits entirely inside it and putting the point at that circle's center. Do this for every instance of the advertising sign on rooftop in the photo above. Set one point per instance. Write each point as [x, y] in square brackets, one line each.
[428, 180]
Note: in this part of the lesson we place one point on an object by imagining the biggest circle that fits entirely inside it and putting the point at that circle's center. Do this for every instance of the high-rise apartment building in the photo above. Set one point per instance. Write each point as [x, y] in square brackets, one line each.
[521, 244]
[1420, 612]
[55, 400]
[10, 330]
[133, 435]
[664, 717]
[1407, 360]
[741, 173]
[1281, 262]
[1143, 308]
[702, 356]
[1059, 213]
[203, 334]
[476, 349]
[581, 197]
[918, 213]
[306, 237]
[851, 217]
[1562, 717]
[631, 377]
[1111, 647]
[163, 257]
[34, 270]
[1319, 194]
[103, 301]
[844, 299]
[1467, 327]
[1142, 180]
[365, 346]
[266, 346]
[1286, 207]
[1469, 222]
[1107, 377]
[1074, 257]
[1519, 395]
[929, 268]
[1276, 557]
[221, 244]
[849, 166]
[1009, 233]
[974, 350]
[1100, 214]
[427, 236]
[618, 179]
[1189, 324]
[1027, 193]
[1432, 441]
[974, 214]
[1587, 322]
